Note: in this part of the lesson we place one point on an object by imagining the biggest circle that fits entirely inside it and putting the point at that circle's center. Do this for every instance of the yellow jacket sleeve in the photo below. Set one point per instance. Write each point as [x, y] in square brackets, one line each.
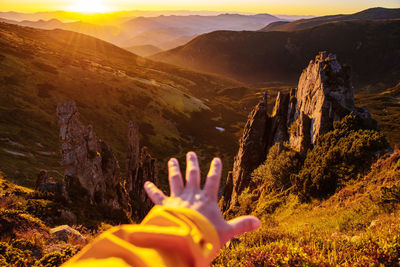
[166, 237]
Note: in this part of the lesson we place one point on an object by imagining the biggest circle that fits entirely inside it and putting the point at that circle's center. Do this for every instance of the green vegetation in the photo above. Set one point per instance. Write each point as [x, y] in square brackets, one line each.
[338, 156]
[111, 87]
[276, 174]
[348, 215]
[383, 101]
[25, 218]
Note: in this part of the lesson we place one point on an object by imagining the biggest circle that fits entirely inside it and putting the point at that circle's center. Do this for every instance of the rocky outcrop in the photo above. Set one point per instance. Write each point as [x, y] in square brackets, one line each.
[92, 173]
[324, 94]
[141, 167]
[251, 150]
[91, 169]
[228, 189]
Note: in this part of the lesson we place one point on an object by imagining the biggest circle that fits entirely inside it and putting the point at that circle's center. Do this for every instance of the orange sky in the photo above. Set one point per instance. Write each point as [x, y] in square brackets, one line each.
[305, 7]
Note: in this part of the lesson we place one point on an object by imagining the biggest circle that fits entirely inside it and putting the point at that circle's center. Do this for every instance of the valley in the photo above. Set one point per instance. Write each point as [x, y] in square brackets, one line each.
[111, 86]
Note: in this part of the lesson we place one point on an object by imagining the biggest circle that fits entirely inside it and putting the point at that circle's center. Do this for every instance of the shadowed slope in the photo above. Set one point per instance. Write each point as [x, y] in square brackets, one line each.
[280, 56]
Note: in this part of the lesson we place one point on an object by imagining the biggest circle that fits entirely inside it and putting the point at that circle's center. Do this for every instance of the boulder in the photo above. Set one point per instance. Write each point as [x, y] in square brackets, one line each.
[65, 233]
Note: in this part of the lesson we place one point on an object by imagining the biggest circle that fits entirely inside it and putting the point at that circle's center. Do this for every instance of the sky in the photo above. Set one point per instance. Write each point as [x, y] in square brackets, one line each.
[303, 7]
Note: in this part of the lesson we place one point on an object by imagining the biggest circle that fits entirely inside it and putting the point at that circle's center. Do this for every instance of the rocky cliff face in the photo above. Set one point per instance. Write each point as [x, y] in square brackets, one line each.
[90, 165]
[92, 172]
[251, 151]
[324, 94]
[141, 167]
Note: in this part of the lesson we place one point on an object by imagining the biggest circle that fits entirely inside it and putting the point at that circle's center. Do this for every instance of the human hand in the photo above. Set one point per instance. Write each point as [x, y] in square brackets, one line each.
[203, 200]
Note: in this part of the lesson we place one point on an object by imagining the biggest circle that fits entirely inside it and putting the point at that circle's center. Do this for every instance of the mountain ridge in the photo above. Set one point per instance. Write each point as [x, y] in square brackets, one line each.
[377, 13]
[280, 56]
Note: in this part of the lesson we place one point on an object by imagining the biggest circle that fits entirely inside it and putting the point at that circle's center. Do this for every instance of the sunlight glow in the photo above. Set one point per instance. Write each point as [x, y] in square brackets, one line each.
[89, 6]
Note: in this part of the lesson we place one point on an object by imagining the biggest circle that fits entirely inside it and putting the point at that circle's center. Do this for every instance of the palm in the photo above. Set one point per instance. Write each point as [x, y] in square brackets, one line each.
[203, 200]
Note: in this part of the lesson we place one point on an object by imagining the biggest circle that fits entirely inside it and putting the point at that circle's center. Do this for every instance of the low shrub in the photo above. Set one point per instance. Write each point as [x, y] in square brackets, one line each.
[338, 156]
[56, 258]
[277, 172]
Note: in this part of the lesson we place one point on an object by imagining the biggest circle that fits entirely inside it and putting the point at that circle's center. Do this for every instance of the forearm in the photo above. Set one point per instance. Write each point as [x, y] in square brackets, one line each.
[166, 237]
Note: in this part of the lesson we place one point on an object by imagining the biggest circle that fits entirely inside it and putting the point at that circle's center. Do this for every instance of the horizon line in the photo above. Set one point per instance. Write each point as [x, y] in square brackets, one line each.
[181, 10]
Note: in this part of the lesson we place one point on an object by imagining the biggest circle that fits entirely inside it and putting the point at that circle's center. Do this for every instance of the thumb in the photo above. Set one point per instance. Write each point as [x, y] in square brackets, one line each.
[155, 194]
[244, 224]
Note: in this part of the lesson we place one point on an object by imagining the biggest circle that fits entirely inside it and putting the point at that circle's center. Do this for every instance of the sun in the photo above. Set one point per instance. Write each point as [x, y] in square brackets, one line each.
[89, 6]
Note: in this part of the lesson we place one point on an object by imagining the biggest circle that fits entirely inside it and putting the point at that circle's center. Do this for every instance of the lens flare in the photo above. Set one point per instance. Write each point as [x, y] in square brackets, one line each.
[89, 6]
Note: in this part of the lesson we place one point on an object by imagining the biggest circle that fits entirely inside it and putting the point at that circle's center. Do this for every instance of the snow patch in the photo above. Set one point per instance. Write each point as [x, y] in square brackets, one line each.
[14, 153]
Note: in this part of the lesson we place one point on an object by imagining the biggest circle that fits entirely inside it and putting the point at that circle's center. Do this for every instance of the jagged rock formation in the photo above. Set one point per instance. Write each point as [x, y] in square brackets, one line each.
[324, 94]
[228, 189]
[92, 172]
[91, 169]
[141, 167]
[251, 150]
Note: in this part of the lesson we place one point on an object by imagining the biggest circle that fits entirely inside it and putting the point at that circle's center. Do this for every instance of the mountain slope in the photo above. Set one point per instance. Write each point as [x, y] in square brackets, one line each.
[176, 109]
[385, 106]
[144, 50]
[107, 33]
[271, 56]
[368, 14]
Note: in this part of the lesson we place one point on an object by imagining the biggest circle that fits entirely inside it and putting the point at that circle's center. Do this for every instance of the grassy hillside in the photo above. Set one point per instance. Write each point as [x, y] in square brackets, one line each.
[358, 226]
[377, 13]
[346, 213]
[176, 109]
[281, 56]
[384, 104]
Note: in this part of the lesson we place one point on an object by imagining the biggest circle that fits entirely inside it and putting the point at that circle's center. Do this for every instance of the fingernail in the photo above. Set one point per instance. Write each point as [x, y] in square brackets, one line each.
[217, 161]
[172, 162]
[191, 155]
[256, 223]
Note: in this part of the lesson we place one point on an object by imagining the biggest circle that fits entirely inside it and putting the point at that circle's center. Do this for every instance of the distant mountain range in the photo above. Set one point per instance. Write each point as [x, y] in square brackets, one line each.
[67, 16]
[371, 47]
[368, 14]
[166, 32]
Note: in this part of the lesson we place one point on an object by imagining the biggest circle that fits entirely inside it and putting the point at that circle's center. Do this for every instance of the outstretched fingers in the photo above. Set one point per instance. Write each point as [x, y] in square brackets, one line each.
[155, 194]
[243, 224]
[211, 186]
[192, 171]
[175, 177]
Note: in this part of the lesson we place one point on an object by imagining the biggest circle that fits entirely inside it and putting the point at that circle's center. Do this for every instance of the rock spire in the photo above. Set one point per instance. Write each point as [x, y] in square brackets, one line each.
[324, 94]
